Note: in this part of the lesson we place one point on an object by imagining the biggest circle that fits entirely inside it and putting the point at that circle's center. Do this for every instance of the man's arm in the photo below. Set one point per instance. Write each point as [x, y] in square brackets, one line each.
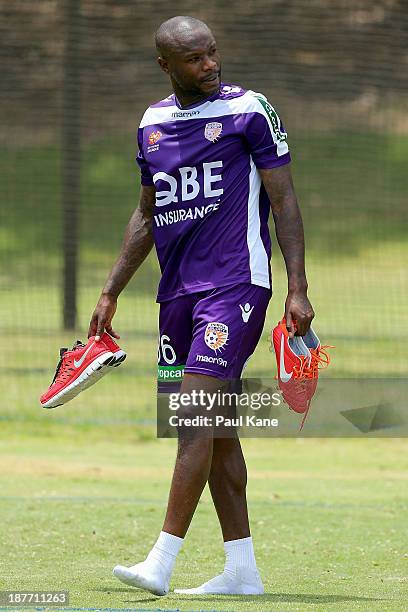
[137, 244]
[289, 232]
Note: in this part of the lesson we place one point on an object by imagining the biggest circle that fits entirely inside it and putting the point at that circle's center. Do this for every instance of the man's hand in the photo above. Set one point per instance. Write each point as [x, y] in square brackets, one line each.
[102, 317]
[298, 313]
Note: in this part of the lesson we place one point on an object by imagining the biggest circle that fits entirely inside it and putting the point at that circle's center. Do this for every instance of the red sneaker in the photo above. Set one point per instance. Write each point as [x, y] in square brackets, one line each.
[77, 370]
[293, 359]
[114, 348]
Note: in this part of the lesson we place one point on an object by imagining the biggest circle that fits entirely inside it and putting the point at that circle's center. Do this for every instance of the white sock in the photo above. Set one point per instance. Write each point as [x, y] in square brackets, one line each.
[154, 573]
[239, 554]
[240, 575]
[164, 552]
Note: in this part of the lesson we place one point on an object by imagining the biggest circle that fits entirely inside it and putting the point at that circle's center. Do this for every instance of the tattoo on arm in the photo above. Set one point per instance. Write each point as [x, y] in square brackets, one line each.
[288, 223]
[137, 244]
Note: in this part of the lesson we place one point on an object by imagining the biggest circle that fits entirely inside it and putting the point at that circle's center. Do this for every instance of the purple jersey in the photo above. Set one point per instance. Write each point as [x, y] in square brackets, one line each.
[211, 214]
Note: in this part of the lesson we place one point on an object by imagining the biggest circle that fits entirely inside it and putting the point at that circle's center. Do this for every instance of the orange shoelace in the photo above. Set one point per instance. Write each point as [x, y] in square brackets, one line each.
[309, 369]
[301, 374]
[304, 370]
[320, 360]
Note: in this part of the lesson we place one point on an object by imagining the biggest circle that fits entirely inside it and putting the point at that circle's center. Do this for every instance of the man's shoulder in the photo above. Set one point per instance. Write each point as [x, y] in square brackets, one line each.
[158, 111]
[237, 96]
[242, 100]
[169, 101]
[231, 91]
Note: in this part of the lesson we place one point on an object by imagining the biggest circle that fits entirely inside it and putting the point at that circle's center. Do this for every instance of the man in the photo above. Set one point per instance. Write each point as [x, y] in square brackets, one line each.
[213, 160]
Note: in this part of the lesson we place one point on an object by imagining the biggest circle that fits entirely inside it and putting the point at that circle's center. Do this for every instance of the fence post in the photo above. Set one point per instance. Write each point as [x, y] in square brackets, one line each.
[71, 159]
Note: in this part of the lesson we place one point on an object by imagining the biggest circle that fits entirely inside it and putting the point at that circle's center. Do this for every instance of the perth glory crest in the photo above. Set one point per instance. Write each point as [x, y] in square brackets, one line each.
[212, 131]
[216, 335]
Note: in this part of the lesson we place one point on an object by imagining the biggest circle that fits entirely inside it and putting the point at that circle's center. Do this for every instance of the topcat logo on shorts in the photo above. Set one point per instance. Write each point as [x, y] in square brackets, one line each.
[216, 336]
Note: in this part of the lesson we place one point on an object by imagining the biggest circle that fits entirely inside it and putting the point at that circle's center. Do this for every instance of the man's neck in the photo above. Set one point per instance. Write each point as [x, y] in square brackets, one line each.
[187, 98]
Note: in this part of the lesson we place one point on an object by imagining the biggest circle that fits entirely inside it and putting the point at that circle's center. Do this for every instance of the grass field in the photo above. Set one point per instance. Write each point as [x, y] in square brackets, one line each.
[84, 487]
[328, 519]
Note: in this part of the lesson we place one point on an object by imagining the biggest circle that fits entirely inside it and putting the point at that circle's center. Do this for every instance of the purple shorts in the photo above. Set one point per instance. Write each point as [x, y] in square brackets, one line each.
[213, 332]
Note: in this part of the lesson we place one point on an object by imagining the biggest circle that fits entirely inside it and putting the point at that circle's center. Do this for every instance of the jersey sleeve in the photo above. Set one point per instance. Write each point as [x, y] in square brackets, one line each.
[146, 177]
[265, 134]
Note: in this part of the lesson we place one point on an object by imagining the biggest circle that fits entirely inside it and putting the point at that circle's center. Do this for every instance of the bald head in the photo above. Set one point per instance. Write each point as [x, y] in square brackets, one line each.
[179, 34]
[188, 54]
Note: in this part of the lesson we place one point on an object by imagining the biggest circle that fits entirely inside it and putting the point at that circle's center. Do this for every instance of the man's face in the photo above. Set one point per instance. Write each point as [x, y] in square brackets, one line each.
[195, 65]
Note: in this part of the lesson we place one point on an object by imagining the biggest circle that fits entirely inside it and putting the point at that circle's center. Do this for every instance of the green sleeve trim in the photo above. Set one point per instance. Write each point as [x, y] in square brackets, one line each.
[273, 118]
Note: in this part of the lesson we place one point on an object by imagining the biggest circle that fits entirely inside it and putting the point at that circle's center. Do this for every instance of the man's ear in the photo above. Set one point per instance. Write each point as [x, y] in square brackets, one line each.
[164, 65]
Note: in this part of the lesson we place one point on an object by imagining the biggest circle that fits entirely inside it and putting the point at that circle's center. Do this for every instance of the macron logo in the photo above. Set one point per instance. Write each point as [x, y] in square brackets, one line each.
[193, 113]
[246, 312]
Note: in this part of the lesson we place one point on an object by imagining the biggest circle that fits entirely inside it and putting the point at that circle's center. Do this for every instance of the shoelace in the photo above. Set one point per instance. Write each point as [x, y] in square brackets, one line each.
[308, 369]
[60, 366]
[319, 361]
[301, 374]
[62, 370]
[303, 371]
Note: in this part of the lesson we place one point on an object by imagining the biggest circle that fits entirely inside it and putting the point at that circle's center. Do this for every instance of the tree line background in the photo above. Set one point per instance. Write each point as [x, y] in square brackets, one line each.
[298, 52]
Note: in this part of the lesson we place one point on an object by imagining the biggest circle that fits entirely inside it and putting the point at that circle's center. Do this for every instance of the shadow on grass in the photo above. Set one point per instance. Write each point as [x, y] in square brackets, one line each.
[306, 598]
[145, 599]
